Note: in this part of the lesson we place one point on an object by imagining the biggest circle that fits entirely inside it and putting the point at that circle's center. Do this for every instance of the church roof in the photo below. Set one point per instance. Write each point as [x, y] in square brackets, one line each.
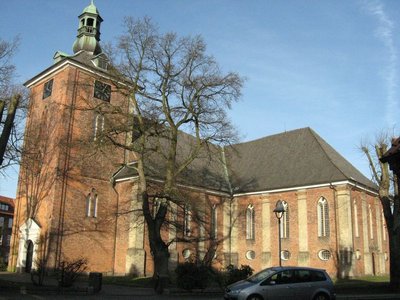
[287, 160]
[290, 159]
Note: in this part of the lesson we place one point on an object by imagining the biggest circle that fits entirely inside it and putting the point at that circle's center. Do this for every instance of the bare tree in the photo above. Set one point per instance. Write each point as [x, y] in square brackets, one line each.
[178, 98]
[390, 202]
[10, 103]
[38, 174]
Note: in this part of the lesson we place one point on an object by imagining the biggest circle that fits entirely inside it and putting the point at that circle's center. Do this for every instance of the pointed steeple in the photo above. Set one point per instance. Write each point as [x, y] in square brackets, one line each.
[88, 37]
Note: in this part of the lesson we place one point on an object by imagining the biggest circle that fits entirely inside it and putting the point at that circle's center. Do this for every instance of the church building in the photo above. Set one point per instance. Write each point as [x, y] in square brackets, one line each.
[73, 203]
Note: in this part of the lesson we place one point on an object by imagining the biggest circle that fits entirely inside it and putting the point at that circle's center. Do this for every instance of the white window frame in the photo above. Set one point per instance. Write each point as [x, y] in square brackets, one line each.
[323, 217]
[92, 203]
[285, 221]
[250, 222]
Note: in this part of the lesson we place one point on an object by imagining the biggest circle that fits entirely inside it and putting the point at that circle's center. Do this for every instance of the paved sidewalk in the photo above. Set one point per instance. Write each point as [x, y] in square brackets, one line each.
[111, 291]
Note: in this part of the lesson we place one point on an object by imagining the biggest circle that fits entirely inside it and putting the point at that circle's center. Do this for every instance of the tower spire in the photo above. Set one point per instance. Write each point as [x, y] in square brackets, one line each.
[88, 38]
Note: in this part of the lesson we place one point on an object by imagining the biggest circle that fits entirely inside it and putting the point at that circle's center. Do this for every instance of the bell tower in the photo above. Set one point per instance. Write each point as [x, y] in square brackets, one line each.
[88, 38]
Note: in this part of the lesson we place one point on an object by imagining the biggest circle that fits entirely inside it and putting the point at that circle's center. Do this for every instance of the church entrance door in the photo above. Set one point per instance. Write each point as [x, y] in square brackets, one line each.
[29, 256]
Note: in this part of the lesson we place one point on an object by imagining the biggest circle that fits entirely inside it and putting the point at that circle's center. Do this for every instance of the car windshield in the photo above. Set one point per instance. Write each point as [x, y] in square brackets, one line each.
[261, 275]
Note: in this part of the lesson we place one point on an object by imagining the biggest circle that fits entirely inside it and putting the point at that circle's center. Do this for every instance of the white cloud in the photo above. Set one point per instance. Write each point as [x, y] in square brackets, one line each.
[385, 32]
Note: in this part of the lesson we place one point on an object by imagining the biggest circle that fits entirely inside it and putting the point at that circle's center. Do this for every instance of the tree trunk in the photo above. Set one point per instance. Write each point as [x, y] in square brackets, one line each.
[161, 271]
[159, 249]
[2, 105]
[394, 246]
[8, 125]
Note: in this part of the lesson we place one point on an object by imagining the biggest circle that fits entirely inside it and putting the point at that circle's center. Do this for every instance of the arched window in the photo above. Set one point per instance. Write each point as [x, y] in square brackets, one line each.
[98, 127]
[156, 206]
[186, 221]
[323, 217]
[91, 204]
[355, 212]
[383, 226]
[371, 225]
[250, 222]
[89, 22]
[285, 221]
[213, 229]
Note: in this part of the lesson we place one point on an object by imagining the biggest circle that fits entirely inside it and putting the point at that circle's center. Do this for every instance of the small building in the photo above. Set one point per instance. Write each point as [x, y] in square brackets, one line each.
[6, 222]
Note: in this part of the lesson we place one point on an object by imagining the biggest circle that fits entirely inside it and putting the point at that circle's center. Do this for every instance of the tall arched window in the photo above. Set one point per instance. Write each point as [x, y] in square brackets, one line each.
[91, 204]
[323, 217]
[371, 225]
[285, 221]
[355, 212]
[213, 229]
[156, 206]
[250, 222]
[383, 226]
[186, 221]
[98, 127]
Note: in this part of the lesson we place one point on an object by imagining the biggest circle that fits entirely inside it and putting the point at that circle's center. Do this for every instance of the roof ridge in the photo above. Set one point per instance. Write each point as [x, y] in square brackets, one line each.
[271, 135]
[318, 139]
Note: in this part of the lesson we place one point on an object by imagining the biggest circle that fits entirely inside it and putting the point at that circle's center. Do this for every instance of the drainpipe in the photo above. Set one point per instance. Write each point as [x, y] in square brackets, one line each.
[333, 188]
[116, 225]
[231, 198]
[352, 224]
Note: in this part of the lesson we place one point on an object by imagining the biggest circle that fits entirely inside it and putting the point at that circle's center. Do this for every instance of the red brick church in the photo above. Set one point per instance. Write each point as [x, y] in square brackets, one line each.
[71, 203]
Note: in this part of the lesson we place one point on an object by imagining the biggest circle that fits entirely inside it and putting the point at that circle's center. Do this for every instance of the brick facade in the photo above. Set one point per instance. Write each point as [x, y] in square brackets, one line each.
[6, 221]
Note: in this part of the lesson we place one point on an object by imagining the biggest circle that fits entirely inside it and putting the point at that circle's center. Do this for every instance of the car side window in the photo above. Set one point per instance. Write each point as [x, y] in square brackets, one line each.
[317, 276]
[283, 277]
[303, 276]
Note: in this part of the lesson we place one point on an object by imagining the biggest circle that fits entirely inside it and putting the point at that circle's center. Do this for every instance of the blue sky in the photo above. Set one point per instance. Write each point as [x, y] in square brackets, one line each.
[330, 65]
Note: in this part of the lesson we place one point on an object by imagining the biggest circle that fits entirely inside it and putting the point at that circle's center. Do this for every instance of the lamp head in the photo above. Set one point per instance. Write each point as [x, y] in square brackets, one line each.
[279, 209]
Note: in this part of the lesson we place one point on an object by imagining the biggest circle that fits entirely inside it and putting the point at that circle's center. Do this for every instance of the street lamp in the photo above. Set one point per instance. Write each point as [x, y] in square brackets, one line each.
[279, 210]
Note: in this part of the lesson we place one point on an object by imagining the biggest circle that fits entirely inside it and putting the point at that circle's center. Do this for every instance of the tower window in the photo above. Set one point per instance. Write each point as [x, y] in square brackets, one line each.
[47, 89]
[98, 128]
[91, 204]
[102, 91]
[90, 22]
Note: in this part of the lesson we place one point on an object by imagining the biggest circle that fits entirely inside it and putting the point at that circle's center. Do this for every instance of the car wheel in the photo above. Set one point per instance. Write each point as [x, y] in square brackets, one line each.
[321, 297]
[254, 297]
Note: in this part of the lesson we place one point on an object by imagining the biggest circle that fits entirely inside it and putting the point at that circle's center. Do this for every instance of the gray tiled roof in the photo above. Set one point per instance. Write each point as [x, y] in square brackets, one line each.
[290, 159]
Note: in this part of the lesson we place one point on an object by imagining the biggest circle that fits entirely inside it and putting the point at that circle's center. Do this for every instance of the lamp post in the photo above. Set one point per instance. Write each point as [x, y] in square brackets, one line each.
[279, 210]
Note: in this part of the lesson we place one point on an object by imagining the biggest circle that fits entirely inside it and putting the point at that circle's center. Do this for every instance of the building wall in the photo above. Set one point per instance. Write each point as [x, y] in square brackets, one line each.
[6, 221]
[63, 126]
[351, 255]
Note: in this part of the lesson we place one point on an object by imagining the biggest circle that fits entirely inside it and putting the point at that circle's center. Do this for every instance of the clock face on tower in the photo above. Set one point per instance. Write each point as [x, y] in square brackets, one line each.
[102, 91]
[47, 89]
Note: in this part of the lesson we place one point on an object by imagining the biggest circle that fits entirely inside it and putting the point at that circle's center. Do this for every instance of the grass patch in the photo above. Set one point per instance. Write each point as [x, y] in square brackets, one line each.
[129, 280]
[363, 285]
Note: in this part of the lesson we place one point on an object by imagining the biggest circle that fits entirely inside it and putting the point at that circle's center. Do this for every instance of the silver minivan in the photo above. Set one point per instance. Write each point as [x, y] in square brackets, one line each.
[283, 283]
